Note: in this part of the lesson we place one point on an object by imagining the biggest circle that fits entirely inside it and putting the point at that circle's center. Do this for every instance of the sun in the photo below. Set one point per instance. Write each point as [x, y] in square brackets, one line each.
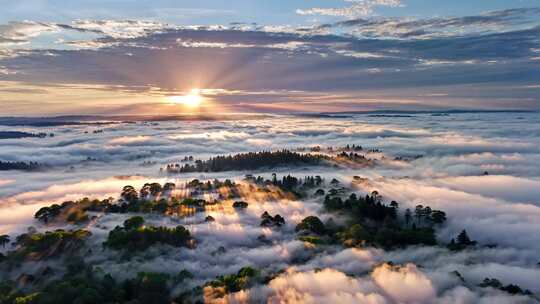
[192, 100]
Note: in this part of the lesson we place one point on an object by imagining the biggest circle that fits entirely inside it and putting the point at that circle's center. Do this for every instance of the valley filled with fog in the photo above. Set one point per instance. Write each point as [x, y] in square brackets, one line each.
[482, 170]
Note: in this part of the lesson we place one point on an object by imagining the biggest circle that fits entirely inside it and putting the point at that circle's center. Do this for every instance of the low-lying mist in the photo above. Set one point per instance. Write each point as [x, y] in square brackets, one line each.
[484, 178]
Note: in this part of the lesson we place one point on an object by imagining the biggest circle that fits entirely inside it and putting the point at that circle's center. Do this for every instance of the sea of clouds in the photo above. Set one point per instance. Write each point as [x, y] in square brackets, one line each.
[500, 208]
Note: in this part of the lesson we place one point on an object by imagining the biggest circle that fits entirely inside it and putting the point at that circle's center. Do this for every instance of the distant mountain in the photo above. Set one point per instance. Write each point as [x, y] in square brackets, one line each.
[411, 112]
[105, 119]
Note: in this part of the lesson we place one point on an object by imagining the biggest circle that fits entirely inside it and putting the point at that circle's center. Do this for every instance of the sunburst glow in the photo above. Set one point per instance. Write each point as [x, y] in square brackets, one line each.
[192, 100]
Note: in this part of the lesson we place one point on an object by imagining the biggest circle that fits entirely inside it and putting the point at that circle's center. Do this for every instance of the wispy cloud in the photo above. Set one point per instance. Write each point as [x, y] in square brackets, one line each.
[356, 9]
[20, 32]
[408, 27]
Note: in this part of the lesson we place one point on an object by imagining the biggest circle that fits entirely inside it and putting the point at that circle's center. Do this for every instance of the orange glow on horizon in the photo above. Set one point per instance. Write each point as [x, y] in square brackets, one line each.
[191, 100]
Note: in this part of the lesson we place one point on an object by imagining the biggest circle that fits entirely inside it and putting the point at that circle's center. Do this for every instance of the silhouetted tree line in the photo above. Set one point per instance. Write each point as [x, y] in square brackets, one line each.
[348, 148]
[287, 182]
[24, 166]
[352, 156]
[19, 134]
[369, 206]
[510, 288]
[248, 161]
[152, 197]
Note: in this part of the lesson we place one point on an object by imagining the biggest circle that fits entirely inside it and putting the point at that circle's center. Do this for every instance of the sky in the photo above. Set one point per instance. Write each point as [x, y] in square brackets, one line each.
[173, 57]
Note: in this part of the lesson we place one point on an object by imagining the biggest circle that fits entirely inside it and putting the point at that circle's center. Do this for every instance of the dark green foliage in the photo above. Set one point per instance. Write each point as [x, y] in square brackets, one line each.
[236, 282]
[438, 217]
[153, 189]
[272, 221]
[42, 241]
[47, 214]
[311, 239]
[311, 224]
[133, 222]
[132, 237]
[352, 156]
[375, 223]
[81, 285]
[193, 202]
[9, 294]
[386, 236]
[369, 206]
[288, 183]
[427, 216]
[403, 237]
[74, 212]
[356, 234]
[148, 287]
[77, 217]
[250, 161]
[129, 194]
[50, 244]
[182, 276]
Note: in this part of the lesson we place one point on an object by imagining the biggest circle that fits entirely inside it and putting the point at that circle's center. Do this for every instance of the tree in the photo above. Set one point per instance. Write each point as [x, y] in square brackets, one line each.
[134, 222]
[271, 221]
[358, 232]
[169, 187]
[311, 224]
[438, 216]
[145, 191]
[46, 214]
[463, 238]
[376, 196]
[418, 213]
[408, 216]
[4, 240]
[129, 194]
[279, 220]
[155, 188]
[426, 212]
[462, 241]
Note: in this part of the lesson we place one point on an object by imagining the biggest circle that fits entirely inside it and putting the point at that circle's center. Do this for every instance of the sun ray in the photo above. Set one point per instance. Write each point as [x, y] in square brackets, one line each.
[192, 100]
